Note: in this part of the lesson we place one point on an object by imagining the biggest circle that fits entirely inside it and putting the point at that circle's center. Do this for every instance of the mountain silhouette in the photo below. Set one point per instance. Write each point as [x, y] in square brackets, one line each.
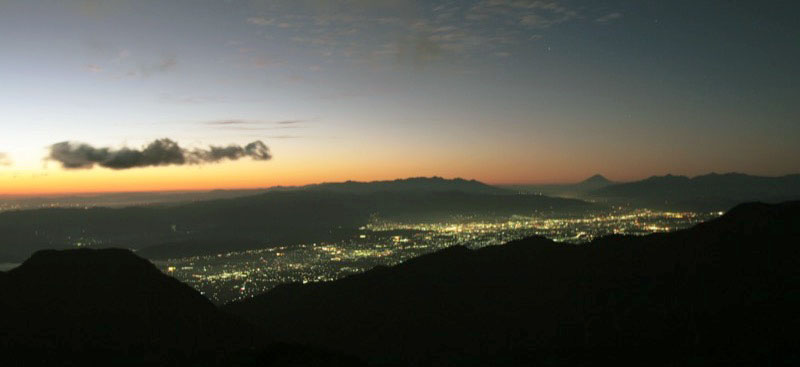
[124, 199]
[329, 212]
[571, 190]
[112, 307]
[597, 180]
[709, 192]
[414, 184]
[724, 292]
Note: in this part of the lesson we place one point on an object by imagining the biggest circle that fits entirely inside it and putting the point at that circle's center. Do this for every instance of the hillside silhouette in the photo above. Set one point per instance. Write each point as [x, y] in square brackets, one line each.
[272, 218]
[111, 307]
[724, 292]
[709, 192]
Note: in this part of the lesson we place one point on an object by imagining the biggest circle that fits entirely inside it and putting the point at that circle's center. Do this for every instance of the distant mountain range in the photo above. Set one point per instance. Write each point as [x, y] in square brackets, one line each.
[415, 184]
[721, 293]
[575, 190]
[709, 192]
[120, 199]
[127, 199]
[333, 211]
[321, 212]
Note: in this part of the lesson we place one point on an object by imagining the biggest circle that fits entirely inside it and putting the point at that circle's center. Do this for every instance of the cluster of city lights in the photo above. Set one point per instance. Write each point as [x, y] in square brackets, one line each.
[241, 274]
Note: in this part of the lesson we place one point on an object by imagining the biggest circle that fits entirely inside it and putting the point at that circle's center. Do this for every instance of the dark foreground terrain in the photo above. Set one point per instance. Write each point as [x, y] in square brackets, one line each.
[109, 307]
[725, 292]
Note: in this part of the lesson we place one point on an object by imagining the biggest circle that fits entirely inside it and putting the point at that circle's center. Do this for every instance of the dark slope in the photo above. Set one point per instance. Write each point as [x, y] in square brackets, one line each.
[710, 192]
[113, 308]
[726, 291]
[110, 302]
[275, 218]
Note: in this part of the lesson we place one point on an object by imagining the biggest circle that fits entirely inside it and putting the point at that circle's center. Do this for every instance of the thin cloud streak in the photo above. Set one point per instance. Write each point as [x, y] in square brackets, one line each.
[424, 33]
[281, 137]
[608, 18]
[228, 123]
[258, 128]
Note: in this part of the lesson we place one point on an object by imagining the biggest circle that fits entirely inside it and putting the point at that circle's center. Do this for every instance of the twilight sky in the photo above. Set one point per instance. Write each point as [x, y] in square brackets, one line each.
[503, 91]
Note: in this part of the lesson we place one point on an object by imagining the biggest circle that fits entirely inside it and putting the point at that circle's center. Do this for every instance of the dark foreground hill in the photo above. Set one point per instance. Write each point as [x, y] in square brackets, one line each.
[725, 292]
[110, 307]
[709, 192]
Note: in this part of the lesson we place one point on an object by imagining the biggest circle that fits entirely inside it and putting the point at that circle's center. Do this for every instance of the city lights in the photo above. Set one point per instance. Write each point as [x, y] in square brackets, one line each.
[241, 274]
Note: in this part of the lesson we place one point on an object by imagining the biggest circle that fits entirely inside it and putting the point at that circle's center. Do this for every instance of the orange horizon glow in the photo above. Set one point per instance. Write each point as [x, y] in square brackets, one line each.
[302, 166]
[254, 175]
[517, 112]
[183, 179]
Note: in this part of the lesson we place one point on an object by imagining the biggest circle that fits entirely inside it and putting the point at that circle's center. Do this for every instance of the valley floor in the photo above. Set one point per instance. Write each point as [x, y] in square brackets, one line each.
[243, 274]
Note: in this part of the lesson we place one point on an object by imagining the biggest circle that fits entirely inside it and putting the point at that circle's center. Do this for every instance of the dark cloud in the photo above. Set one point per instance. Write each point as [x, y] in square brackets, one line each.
[161, 152]
[256, 150]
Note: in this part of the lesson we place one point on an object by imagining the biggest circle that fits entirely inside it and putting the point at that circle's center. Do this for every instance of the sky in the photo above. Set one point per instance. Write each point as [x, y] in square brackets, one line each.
[100, 96]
